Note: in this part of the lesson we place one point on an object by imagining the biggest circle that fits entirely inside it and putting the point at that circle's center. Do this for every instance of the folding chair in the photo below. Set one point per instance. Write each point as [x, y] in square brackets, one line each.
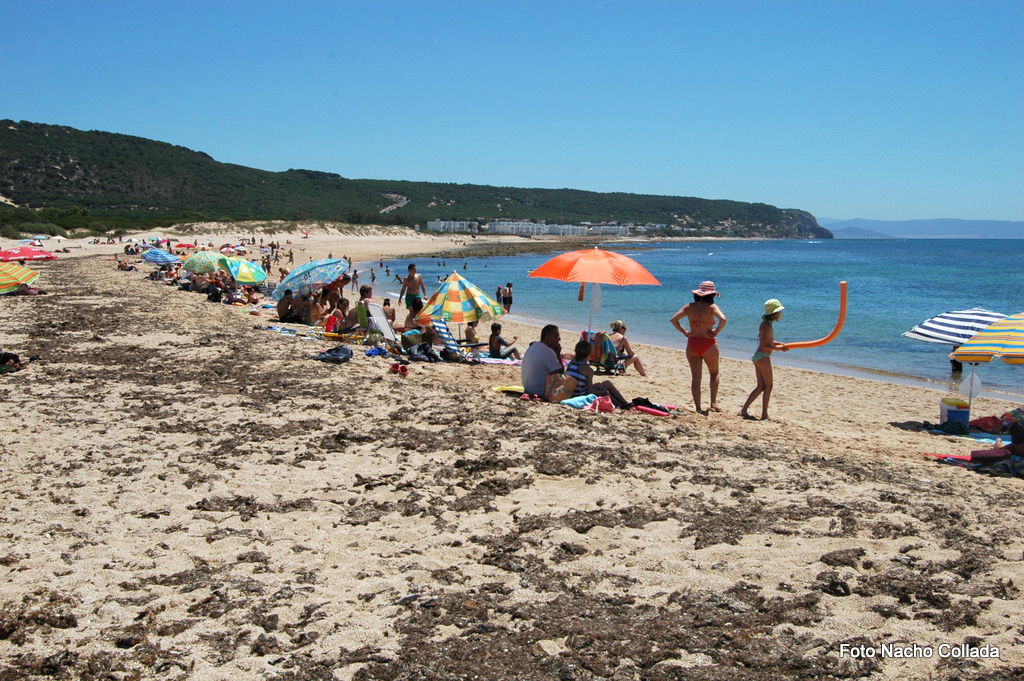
[382, 325]
[603, 357]
[445, 335]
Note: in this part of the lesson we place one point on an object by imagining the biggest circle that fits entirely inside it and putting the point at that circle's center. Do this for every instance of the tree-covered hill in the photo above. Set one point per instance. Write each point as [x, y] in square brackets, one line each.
[92, 175]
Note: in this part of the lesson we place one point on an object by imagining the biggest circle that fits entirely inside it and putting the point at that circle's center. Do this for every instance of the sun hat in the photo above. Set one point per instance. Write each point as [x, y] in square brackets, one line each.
[772, 306]
[706, 288]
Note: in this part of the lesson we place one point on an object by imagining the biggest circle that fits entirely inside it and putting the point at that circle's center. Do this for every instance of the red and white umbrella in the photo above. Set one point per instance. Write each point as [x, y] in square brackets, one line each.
[25, 253]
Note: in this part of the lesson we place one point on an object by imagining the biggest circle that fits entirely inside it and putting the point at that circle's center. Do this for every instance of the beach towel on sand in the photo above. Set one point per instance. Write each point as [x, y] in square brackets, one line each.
[580, 402]
[336, 355]
[510, 389]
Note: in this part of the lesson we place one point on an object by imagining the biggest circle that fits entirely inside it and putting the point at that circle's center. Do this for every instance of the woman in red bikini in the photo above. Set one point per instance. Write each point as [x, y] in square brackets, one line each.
[700, 339]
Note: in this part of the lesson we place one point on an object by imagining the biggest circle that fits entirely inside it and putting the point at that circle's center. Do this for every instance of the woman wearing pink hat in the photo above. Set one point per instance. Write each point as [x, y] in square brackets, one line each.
[700, 339]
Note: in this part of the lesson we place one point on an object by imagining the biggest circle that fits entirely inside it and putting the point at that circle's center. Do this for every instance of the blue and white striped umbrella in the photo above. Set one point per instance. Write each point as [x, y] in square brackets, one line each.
[954, 328]
[158, 256]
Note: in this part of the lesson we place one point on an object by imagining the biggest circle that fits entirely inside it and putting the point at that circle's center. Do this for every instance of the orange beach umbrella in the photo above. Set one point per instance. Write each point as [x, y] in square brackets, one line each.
[594, 266]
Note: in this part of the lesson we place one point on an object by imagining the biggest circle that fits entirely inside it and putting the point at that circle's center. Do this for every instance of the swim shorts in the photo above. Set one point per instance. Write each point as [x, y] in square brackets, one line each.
[698, 346]
[410, 298]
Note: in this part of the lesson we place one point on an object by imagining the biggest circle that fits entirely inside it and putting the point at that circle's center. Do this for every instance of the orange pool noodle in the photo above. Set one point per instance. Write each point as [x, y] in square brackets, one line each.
[835, 332]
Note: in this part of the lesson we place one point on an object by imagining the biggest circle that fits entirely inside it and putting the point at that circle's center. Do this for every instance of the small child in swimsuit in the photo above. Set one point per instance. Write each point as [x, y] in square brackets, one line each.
[762, 358]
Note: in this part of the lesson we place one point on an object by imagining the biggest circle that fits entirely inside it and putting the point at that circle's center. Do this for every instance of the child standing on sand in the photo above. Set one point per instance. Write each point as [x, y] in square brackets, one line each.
[762, 358]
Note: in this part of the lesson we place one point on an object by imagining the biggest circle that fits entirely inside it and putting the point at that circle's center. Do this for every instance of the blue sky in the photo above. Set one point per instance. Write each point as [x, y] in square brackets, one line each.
[885, 110]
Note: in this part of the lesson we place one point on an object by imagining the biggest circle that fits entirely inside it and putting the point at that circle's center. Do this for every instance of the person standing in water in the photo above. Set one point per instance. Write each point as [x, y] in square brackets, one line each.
[701, 346]
[762, 358]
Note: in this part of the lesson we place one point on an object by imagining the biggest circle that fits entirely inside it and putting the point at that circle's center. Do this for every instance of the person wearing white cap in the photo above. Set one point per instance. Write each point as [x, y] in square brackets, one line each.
[762, 358]
[700, 339]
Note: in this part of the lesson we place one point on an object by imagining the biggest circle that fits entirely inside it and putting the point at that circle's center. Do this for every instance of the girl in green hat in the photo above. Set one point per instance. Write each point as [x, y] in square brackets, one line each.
[762, 359]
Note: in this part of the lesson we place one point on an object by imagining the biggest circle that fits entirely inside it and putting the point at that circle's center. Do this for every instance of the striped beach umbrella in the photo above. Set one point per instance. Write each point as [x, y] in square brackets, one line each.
[25, 253]
[203, 262]
[311, 276]
[159, 256]
[1003, 339]
[242, 271]
[12, 275]
[459, 301]
[953, 328]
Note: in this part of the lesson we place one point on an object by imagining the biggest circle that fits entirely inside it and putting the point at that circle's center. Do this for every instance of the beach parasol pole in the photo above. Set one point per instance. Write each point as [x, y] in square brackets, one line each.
[971, 385]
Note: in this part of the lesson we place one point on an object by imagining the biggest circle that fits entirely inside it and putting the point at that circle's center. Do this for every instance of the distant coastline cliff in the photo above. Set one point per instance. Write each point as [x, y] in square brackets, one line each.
[92, 179]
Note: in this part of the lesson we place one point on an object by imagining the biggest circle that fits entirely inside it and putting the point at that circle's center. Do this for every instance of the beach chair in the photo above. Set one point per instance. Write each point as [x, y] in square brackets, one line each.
[380, 324]
[603, 357]
[445, 335]
[363, 333]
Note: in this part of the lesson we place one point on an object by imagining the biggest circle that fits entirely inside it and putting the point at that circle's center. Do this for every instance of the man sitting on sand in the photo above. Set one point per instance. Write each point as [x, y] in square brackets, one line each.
[498, 347]
[249, 296]
[426, 330]
[389, 312]
[285, 307]
[312, 311]
[414, 309]
[198, 284]
[541, 360]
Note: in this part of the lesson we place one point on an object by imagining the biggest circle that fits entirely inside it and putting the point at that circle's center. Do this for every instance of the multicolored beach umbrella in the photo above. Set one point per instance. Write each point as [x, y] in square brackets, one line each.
[1003, 339]
[13, 275]
[459, 301]
[25, 253]
[242, 271]
[203, 262]
[158, 256]
[955, 327]
[311, 276]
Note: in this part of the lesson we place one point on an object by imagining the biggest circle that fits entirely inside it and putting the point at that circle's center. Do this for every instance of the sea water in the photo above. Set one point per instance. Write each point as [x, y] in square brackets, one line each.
[892, 285]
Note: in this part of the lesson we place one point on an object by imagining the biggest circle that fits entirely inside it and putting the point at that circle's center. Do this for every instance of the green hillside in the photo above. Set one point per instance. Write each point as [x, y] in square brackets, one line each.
[76, 179]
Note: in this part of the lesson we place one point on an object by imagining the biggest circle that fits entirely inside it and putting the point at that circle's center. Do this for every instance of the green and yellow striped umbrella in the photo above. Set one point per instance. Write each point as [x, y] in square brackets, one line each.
[203, 262]
[459, 301]
[243, 271]
[13, 275]
[1003, 339]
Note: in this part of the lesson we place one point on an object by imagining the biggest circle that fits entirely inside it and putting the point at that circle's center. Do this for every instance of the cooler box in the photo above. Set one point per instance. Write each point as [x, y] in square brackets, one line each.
[948, 413]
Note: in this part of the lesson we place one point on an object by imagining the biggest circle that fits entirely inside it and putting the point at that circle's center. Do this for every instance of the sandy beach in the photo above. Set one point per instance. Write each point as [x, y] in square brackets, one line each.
[187, 496]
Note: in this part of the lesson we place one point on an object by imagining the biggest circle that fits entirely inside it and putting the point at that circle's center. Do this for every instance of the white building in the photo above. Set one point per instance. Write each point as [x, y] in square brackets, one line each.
[452, 226]
[567, 230]
[610, 230]
[521, 228]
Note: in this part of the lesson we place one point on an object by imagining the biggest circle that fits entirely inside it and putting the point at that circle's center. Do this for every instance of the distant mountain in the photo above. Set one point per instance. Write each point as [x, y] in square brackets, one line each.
[858, 233]
[64, 170]
[942, 228]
